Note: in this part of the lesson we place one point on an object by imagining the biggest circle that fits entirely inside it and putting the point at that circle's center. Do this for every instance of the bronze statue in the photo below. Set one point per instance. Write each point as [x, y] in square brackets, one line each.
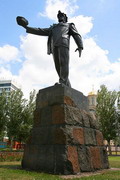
[58, 43]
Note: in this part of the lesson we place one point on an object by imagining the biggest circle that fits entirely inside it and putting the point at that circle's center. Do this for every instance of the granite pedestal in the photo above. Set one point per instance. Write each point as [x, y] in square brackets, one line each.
[65, 138]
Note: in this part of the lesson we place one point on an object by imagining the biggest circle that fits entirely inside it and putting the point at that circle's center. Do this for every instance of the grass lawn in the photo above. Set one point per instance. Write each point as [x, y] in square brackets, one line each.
[114, 161]
[13, 171]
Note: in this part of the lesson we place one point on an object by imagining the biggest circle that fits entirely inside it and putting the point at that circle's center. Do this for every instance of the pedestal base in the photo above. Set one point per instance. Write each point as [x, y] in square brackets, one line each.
[65, 138]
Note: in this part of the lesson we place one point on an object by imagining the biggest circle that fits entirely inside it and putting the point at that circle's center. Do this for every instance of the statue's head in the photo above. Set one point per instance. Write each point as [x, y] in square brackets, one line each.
[62, 17]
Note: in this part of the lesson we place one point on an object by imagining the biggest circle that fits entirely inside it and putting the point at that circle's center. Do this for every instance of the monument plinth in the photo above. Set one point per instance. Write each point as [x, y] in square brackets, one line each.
[65, 138]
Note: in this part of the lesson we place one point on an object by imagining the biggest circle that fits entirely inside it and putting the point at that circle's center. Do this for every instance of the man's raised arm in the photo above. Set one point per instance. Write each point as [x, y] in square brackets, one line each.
[38, 31]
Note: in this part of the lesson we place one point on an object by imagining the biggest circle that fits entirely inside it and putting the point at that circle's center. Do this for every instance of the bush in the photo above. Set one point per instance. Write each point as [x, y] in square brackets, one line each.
[11, 156]
[11, 150]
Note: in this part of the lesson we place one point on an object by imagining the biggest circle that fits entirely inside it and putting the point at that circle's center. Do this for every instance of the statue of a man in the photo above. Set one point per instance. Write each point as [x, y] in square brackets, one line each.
[58, 43]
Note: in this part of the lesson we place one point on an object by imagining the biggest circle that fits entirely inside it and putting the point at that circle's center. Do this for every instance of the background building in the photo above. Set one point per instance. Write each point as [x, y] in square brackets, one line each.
[92, 100]
[7, 85]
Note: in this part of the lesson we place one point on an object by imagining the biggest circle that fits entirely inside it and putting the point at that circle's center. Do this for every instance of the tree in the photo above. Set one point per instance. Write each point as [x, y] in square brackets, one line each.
[20, 115]
[118, 119]
[16, 115]
[3, 114]
[106, 113]
[16, 104]
[27, 115]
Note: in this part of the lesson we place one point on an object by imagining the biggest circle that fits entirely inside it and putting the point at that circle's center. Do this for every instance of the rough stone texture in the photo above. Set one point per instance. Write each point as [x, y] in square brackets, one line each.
[65, 138]
[99, 138]
[84, 158]
[72, 155]
[95, 158]
[90, 136]
[61, 94]
[78, 135]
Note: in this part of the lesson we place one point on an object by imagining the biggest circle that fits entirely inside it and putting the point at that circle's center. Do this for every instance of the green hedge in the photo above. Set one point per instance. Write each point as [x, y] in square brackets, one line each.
[11, 156]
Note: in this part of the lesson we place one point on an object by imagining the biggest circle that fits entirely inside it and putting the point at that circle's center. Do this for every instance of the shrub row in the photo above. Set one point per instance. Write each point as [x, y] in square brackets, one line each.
[11, 156]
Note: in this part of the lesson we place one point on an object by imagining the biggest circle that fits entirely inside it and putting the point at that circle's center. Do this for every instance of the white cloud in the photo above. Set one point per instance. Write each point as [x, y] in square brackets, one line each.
[8, 53]
[38, 68]
[52, 7]
[5, 73]
[83, 24]
[93, 68]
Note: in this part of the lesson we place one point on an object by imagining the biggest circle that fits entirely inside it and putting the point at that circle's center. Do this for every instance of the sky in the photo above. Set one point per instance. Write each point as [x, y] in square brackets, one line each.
[23, 56]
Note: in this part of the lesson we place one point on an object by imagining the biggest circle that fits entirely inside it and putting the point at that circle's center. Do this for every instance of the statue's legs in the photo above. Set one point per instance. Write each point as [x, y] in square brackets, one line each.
[61, 59]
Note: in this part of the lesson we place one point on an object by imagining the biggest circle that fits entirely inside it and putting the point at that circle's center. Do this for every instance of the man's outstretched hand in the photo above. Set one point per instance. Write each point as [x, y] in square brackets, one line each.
[79, 50]
[22, 21]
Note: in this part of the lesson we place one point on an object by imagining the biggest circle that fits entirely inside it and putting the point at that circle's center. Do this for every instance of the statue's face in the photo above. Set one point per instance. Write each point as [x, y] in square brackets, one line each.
[61, 18]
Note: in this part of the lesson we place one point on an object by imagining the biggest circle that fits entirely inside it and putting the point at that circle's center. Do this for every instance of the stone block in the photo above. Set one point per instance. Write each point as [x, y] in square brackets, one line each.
[58, 115]
[42, 135]
[85, 117]
[73, 116]
[99, 138]
[46, 116]
[84, 158]
[39, 158]
[95, 158]
[45, 161]
[58, 95]
[60, 160]
[78, 135]
[37, 117]
[72, 155]
[90, 138]
[59, 136]
[37, 136]
[43, 116]
[93, 121]
[30, 157]
[69, 101]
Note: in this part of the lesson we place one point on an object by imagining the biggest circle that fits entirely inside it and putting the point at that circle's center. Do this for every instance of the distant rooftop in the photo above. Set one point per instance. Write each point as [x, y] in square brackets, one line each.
[4, 81]
[93, 92]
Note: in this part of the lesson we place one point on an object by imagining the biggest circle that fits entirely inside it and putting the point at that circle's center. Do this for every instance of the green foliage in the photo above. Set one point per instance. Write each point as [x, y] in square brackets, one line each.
[118, 119]
[3, 114]
[10, 156]
[20, 115]
[27, 118]
[106, 112]
[15, 108]
[16, 115]
[118, 100]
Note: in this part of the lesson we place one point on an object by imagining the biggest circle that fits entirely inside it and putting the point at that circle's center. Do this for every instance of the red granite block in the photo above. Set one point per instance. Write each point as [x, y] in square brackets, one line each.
[69, 101]
[58, 115]
[95, 158]
[78, 135]
[99, 138]
[73, 158]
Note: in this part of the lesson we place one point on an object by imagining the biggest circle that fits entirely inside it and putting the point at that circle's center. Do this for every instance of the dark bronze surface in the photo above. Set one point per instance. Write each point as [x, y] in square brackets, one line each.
[58, 43]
